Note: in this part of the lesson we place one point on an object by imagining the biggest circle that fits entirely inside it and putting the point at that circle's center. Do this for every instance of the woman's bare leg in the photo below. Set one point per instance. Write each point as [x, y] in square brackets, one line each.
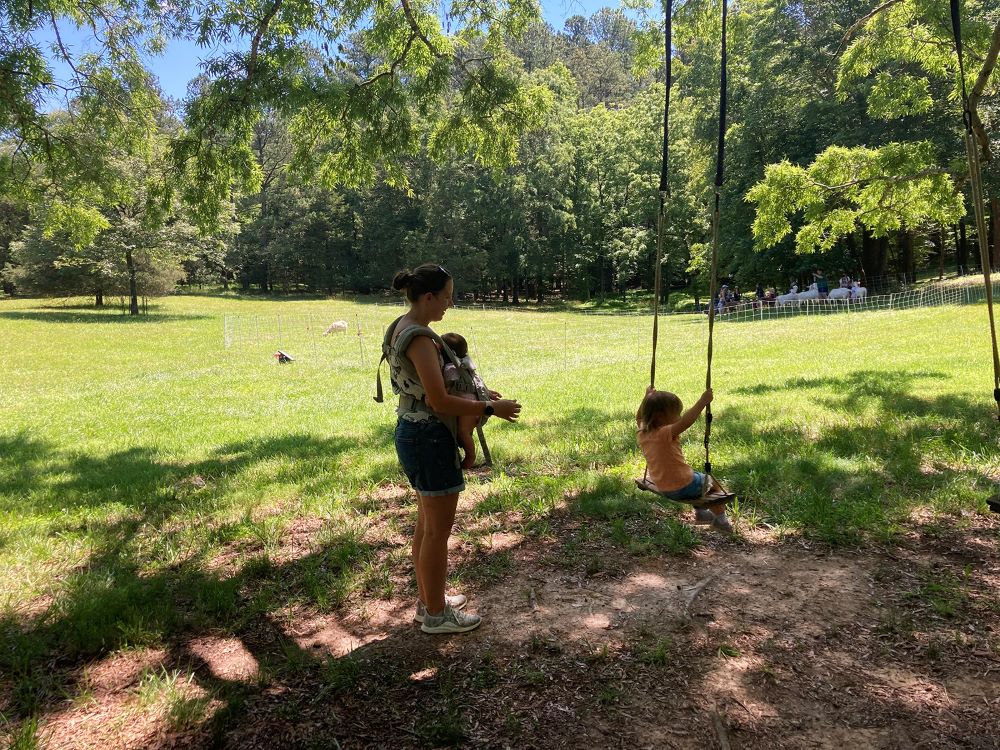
[432, 557]
[418, 538]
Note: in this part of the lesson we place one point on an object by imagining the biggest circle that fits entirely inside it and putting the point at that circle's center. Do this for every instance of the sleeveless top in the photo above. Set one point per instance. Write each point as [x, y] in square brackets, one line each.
[405, 380]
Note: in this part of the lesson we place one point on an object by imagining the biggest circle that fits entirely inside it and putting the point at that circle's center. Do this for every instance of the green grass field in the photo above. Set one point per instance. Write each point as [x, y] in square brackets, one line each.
[135, 453]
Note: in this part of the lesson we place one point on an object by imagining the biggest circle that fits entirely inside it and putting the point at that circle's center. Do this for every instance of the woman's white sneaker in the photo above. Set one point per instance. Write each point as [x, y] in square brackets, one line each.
[458, 601]
[450, 621]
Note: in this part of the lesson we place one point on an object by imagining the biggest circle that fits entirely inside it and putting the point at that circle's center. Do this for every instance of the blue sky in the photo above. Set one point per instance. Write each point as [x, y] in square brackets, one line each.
[179, 64]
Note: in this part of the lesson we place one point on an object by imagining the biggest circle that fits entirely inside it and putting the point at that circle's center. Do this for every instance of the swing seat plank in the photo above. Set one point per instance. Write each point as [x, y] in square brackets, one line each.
[647, 486]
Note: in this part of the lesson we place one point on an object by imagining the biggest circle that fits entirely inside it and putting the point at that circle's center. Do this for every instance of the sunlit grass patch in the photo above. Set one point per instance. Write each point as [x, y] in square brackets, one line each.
[179, 485]
[175, 696]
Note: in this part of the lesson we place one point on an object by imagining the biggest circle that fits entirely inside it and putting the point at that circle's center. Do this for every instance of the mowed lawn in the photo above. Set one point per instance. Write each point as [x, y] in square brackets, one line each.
[142, 461]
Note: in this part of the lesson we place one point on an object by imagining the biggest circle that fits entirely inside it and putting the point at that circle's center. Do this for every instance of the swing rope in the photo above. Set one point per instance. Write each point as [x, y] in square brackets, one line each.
[664, 187]
[664, 194]
[713, 278]
[975, 179]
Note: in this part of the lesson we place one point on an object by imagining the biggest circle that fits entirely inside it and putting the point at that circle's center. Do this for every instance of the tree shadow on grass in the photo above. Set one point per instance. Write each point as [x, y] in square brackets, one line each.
[844, 481]
[841, 481]
[113, 604]
[47, 480]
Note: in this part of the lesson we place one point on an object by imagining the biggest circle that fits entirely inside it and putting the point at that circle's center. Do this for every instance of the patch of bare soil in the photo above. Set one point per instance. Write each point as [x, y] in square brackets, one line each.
[747, 642]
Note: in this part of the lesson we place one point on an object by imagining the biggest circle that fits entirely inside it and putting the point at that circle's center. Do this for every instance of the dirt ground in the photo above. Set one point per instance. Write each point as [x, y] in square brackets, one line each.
[746, 642]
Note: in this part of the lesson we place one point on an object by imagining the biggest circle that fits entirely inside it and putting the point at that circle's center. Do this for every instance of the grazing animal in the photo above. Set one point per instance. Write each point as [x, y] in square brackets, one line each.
[792, 298]
[811, 293]
[337, 326]
[839, 293]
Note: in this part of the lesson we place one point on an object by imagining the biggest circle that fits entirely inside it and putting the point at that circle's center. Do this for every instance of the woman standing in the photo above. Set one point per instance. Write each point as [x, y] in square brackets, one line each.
[425, 440]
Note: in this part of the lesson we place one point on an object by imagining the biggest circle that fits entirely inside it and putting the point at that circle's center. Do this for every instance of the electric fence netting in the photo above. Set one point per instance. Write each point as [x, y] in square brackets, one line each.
[561, 340]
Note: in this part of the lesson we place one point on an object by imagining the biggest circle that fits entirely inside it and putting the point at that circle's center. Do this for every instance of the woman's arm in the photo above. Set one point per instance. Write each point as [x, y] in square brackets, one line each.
[423, 354]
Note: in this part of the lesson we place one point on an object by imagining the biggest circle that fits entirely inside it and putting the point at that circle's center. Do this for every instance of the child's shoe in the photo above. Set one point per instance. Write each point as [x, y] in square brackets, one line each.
[722, 523]
[450, 621]
[455, 602]
[703, 516]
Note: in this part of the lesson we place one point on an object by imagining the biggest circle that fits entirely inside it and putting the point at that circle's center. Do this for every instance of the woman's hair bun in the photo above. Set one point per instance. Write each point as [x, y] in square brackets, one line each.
[402, 280]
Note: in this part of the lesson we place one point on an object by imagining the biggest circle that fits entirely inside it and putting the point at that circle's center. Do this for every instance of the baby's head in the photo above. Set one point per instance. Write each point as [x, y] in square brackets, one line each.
[659, 408]
[457, 343]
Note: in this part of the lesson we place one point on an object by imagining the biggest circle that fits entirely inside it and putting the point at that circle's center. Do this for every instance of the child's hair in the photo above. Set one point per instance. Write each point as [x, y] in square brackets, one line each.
[430, 277]
[656, 403]
[457, 343]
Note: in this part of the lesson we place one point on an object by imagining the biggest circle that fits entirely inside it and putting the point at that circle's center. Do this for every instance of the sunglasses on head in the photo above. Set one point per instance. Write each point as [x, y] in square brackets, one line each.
[444, 270]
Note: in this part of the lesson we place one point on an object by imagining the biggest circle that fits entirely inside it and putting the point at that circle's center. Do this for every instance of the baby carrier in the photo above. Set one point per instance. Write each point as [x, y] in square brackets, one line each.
[406, 383]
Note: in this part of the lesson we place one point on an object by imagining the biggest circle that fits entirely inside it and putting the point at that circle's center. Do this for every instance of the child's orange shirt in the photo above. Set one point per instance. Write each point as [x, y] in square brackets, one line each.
[665, 462]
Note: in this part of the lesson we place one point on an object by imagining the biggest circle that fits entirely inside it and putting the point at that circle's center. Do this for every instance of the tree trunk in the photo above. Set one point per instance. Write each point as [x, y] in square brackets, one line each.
[937, 239]
[869, 251]
[995, 222]
[852, 252]
[963, 248]
[958, 247]
[98, 298]
[133, 295]
[907, 260]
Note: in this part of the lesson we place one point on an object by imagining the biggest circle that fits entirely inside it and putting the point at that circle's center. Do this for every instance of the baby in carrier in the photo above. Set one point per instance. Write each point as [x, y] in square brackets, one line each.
[456, 387]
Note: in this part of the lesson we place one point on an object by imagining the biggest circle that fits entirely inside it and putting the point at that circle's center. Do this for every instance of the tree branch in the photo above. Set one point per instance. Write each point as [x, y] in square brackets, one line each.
[392, 68]
[861, 22]
[415, 27]
[977, 91]
[883, 178]
[257, 38]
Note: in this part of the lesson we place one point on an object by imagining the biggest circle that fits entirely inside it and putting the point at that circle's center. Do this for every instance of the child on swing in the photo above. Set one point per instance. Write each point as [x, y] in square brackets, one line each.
[466, 425]
[661, 419]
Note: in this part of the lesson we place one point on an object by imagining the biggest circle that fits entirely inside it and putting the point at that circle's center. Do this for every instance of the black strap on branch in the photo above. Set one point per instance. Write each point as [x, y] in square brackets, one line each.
[713, 278]
[667, 80]
[976, 182]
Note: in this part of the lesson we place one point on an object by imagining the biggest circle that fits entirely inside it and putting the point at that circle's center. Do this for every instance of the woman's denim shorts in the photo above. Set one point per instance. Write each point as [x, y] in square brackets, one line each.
[429, 456]
[692, 491]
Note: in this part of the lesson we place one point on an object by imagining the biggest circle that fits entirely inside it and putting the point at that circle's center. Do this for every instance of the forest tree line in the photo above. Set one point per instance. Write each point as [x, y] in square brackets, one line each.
[844, 152]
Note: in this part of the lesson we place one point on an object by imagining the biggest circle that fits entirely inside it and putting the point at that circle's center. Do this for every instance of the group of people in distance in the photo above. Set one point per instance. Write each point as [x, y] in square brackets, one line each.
[442, 399]
[730, 298]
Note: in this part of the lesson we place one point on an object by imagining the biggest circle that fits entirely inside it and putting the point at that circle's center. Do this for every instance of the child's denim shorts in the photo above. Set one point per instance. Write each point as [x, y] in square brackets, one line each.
[692, 491]
[429, 456]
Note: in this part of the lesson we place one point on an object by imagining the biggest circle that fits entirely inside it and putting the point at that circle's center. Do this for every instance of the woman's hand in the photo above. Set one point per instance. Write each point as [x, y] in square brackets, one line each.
[494, 395]
[506, 408]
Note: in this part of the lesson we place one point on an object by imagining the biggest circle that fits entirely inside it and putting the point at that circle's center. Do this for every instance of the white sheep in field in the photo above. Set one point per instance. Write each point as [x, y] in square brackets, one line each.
[337, 326]
[858, 291]
[792, 298]
[839, 293]
[811, 293]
